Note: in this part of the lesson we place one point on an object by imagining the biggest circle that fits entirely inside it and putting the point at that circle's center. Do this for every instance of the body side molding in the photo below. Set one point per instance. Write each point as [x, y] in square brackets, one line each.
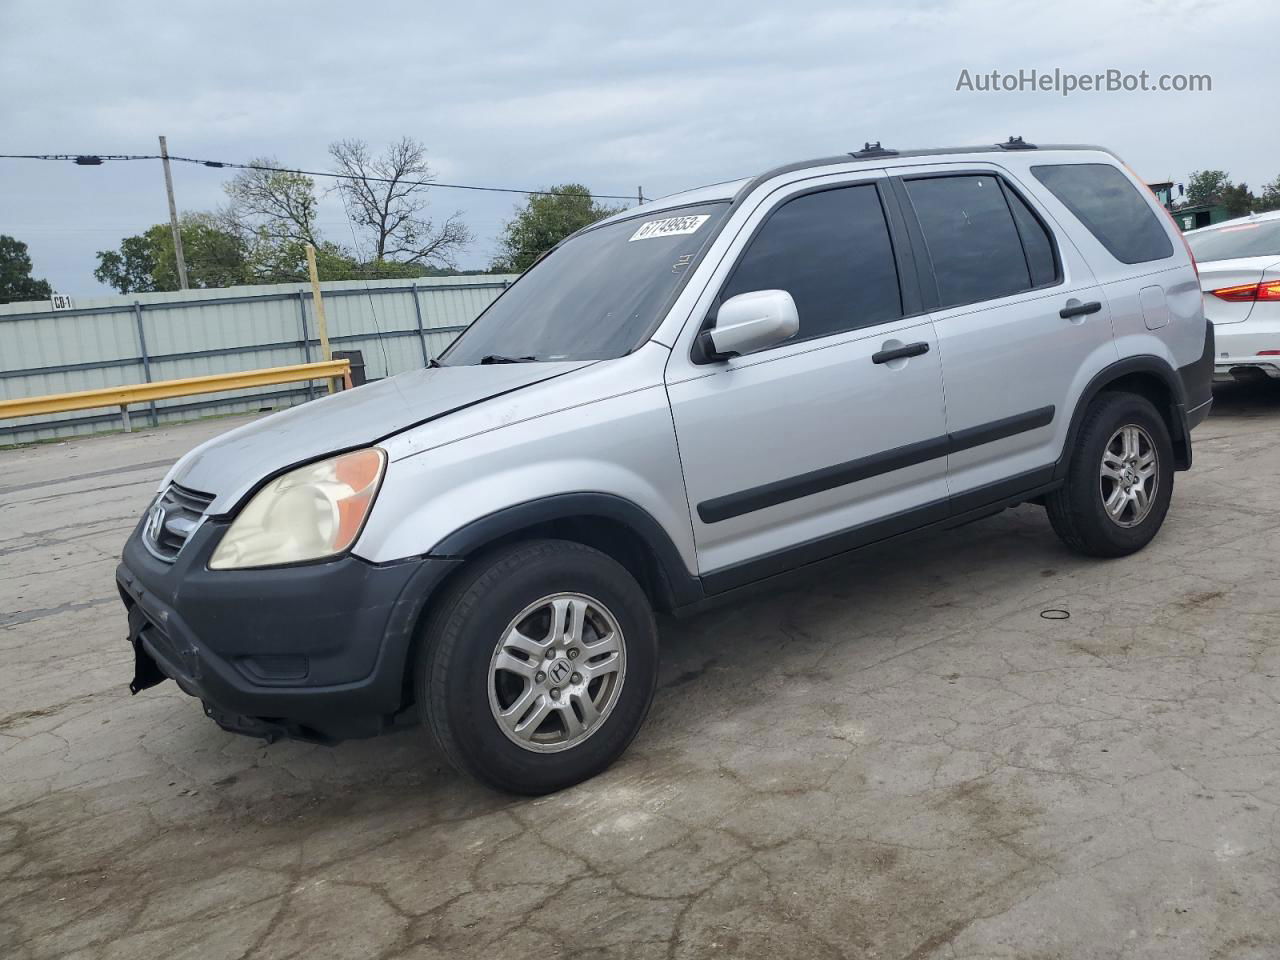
[827, 478]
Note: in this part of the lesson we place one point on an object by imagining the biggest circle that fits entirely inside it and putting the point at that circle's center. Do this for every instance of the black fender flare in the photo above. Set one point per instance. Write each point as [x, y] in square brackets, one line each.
[683, 587]
[1146, 364]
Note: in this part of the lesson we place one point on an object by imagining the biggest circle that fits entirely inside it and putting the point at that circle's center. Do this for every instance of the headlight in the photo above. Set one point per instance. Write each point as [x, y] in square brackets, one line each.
[312, 512]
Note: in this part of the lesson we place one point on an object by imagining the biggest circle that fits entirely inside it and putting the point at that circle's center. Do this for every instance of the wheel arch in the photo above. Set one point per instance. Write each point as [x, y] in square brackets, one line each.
[1146, 376]
[606, 522]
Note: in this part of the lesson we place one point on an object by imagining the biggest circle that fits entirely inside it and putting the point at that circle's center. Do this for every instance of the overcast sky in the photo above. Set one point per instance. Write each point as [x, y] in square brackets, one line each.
[655, 94]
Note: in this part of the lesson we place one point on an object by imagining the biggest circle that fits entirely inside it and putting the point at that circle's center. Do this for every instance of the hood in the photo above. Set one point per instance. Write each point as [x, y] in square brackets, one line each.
[230, 465]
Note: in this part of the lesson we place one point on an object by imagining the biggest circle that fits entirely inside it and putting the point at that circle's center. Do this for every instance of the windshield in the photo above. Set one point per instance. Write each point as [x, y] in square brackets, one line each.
[595, 296]
[1261, 238]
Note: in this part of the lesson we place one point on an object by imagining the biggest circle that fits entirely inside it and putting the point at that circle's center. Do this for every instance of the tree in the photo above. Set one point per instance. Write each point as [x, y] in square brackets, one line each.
[16, 282]
[215, 257]
[279, 206]
[1237, 199]
[1269, 199]
[544, 221]
[385, 198]
[1205, 186]
[131, 269]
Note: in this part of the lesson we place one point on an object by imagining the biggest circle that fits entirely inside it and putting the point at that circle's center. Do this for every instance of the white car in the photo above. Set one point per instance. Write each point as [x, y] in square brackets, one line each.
[1240, 275]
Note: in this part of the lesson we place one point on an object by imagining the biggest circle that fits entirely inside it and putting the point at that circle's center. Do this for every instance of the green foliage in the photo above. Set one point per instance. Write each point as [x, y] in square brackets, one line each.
[1216, 187]
[16, 282]
[1237, 199]
[1206, 186]
[543, 222]
[279, 206]
[1269, 198]
[215, 257]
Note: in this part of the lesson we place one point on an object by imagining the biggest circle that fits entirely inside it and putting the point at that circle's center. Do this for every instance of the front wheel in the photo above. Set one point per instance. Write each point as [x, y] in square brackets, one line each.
[1119, 480]
[539, 666]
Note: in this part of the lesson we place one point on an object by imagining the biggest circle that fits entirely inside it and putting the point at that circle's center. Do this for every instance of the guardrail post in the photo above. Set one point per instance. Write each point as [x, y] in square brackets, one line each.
[124, 418]
[422, 332]
[306, 341]
[146, 359]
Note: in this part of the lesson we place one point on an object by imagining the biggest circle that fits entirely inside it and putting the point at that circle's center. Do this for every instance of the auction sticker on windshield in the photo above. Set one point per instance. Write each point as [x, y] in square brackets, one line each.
[670, 227]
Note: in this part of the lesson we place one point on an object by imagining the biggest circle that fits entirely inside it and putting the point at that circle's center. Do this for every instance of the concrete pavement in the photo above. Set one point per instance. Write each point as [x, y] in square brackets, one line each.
[902, 759]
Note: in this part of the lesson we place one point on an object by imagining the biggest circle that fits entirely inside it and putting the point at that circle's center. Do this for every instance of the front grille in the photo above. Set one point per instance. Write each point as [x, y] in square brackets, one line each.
[172, 519]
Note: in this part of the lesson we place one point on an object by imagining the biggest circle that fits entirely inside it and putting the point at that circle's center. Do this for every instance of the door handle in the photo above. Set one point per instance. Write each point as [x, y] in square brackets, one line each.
[898, 353]
[1078, 309]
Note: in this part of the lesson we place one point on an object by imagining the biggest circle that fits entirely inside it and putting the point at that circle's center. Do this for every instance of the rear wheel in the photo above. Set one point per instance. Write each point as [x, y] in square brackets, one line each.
[539, 666]
[1119, 481]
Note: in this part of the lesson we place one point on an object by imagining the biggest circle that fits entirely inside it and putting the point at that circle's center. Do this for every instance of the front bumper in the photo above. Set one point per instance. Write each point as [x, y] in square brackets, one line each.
[317, 651]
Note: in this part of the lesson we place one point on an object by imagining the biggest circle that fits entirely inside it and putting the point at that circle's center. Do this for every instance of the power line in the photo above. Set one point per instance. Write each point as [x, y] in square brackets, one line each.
[97, 159]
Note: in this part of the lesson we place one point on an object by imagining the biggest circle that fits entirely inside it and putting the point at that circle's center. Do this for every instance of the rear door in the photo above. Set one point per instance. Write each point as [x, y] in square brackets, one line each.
[1019, 317]
[804, 449]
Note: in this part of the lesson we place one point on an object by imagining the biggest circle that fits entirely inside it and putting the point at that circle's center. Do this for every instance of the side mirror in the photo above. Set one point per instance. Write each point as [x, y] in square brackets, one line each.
[749, 322]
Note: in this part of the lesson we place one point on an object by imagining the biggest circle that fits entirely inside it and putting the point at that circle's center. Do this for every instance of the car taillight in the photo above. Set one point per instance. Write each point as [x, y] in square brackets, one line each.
[1248, 292]
[1269, 353]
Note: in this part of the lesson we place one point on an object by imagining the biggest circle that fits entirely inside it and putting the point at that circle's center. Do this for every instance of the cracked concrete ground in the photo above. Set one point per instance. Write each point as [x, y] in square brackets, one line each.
[901, 760]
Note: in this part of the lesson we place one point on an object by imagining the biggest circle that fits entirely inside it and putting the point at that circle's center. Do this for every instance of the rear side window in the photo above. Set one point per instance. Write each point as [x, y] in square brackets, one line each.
[831, 251]
[971, 236]
[1110, 207]
[1042, 260]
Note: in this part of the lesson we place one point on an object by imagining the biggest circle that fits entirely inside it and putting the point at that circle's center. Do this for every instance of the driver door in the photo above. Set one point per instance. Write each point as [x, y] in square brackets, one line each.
[833, 438]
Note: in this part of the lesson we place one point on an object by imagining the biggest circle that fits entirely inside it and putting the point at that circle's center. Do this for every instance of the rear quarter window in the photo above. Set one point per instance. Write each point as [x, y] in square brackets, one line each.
[1110, 207]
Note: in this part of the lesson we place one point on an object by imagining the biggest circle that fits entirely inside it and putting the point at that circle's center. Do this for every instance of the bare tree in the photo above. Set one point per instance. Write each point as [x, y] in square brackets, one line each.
[386, 197]
[272, 202]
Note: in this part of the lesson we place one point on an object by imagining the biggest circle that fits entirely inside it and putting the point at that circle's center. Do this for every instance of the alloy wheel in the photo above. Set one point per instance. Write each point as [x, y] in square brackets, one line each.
[1129, 475]
[556, 672]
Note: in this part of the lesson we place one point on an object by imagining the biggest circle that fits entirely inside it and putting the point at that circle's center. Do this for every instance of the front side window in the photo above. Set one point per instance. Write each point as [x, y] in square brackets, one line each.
[971, 237]
[1110, 207]
[831, 251]
[596, 296]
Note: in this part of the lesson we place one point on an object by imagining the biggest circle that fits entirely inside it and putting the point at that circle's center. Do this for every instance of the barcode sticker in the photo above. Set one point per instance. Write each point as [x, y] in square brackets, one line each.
[670, 227]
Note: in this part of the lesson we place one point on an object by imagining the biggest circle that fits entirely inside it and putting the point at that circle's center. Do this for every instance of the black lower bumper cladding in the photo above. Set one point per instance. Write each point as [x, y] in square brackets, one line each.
[146, 672]
[315, 652]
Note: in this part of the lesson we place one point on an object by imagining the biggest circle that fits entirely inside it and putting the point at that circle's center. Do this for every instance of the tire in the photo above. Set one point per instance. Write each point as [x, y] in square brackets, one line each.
[567, 719]
[1078, 511]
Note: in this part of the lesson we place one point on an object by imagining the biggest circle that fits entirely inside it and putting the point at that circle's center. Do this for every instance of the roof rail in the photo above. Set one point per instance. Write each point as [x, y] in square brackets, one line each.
[870, 149]
[1016, 143]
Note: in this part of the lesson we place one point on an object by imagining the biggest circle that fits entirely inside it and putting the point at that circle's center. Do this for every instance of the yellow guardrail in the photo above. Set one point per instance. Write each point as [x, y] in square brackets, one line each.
[165, 389]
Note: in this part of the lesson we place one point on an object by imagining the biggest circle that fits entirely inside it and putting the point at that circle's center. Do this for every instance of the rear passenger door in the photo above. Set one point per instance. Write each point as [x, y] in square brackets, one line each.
[1019, 319]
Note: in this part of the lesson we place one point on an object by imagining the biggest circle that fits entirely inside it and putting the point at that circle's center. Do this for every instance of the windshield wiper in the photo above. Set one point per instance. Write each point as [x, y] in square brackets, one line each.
[498, 358]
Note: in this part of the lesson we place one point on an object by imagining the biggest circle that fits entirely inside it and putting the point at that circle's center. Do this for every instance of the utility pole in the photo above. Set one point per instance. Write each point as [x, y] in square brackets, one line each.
[173, 217]
[639, 195]
[322, 325]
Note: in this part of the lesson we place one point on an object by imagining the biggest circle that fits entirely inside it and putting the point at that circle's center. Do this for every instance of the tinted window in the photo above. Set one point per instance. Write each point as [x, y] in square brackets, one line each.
[1261, 238]
[595, 296]
[971, 237]
[1103, 199]
[1036, 241]
[831, 252]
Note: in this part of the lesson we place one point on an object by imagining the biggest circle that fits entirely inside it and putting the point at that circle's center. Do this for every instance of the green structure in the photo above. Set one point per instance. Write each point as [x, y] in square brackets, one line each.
[1188, 216]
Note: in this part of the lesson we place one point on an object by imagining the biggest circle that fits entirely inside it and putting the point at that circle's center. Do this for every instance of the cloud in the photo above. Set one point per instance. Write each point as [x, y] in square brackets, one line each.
[665, 95]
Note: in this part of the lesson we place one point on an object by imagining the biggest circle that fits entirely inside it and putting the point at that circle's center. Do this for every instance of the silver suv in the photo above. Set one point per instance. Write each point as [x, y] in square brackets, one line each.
[677, 403]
